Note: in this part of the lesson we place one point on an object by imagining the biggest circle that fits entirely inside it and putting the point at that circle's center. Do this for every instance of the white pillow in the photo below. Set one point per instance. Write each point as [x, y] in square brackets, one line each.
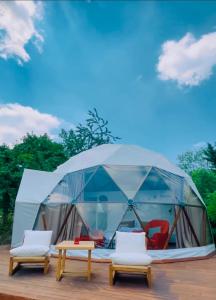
[130, 242]
[30, 251]
[135, 259]
[37, 237]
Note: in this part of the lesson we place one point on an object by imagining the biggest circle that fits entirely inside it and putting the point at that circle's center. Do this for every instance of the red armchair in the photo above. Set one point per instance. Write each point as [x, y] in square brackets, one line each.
[158, 239]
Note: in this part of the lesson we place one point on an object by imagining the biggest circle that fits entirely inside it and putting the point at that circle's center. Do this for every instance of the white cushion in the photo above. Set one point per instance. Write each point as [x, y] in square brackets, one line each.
[30, 251]
[37, 237]
[135, 259]
[129, 242]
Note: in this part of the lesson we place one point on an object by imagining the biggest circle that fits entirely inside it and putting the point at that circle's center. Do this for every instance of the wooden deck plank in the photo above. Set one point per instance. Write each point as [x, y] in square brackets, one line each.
[182, 280]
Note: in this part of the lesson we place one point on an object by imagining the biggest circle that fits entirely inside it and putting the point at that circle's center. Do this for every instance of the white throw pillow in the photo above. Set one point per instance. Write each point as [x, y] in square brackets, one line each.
[30, 251]
[130, 242]
[37, 237]
[135, 259]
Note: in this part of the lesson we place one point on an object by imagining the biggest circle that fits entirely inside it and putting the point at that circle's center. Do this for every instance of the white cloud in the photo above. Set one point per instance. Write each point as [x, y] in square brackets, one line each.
[16, 120]
[17, 28]
[188, 61]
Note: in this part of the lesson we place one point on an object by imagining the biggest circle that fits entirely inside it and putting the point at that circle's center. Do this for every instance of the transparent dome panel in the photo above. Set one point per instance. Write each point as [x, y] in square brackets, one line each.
[160, 187]
[190, 197]
[101, 188]
[102, 218]
[70, 187]
[128, 178]
[62, 219]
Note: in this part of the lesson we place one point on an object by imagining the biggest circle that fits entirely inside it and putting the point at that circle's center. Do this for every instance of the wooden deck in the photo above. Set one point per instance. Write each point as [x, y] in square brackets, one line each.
[182, 280]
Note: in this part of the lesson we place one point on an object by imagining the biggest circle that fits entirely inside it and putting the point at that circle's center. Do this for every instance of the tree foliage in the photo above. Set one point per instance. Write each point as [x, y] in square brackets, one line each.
[211, 206]
[210, 155]
[201, 165]
[8, 182]
[34, 152]
[39, 153]
[85, 136]
[192, 160]
[205, 181]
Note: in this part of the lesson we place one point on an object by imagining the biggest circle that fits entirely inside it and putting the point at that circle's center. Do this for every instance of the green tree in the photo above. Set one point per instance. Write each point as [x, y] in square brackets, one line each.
[211, 206]
[192, 160]
[85, 136]
[6, 182]
[34, 152]
[210, 155]
[205, 181]
[8, 187]
[38, 152]
[201, 165]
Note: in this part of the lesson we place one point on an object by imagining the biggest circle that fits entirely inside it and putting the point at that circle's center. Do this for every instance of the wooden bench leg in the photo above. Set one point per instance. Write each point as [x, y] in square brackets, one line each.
[113, 269]
[114, 276]
[12, 269]
[149, 278]
[46, 265]
[111, 274]
[11, 266]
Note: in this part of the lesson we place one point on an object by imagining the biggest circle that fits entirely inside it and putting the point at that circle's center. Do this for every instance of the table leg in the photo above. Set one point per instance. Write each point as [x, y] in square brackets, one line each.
[59, 266]
[63, 260]
[89, 264]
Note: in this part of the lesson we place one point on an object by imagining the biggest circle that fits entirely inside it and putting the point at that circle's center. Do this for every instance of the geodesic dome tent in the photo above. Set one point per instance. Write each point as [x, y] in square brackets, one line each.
[114, 187]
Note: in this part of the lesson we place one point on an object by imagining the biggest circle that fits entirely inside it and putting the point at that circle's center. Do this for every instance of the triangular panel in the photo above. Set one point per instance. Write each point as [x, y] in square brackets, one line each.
[159, 187]
[128, 178]
[102, 188]
[70, 188]
[130, 221]
[154, 182]
[101, 218]
[190, 198]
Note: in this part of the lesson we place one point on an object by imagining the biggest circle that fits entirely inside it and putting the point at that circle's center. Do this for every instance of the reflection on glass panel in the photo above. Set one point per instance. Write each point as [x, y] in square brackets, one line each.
[128, 178]
[154, 182]
[70, 187]
[151, 212]
[101, 188]
[129, 222]
[160, 187]
[61, 193]
[102, 218]
[52, 217]
[190, 197]
[152, 218]
[148, 212]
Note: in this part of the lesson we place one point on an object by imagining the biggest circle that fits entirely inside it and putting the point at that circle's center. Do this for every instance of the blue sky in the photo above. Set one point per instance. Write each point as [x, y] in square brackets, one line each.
[148, 67]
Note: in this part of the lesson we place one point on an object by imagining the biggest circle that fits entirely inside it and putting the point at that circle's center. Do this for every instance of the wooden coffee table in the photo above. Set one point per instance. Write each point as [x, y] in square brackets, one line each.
[69, 245]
